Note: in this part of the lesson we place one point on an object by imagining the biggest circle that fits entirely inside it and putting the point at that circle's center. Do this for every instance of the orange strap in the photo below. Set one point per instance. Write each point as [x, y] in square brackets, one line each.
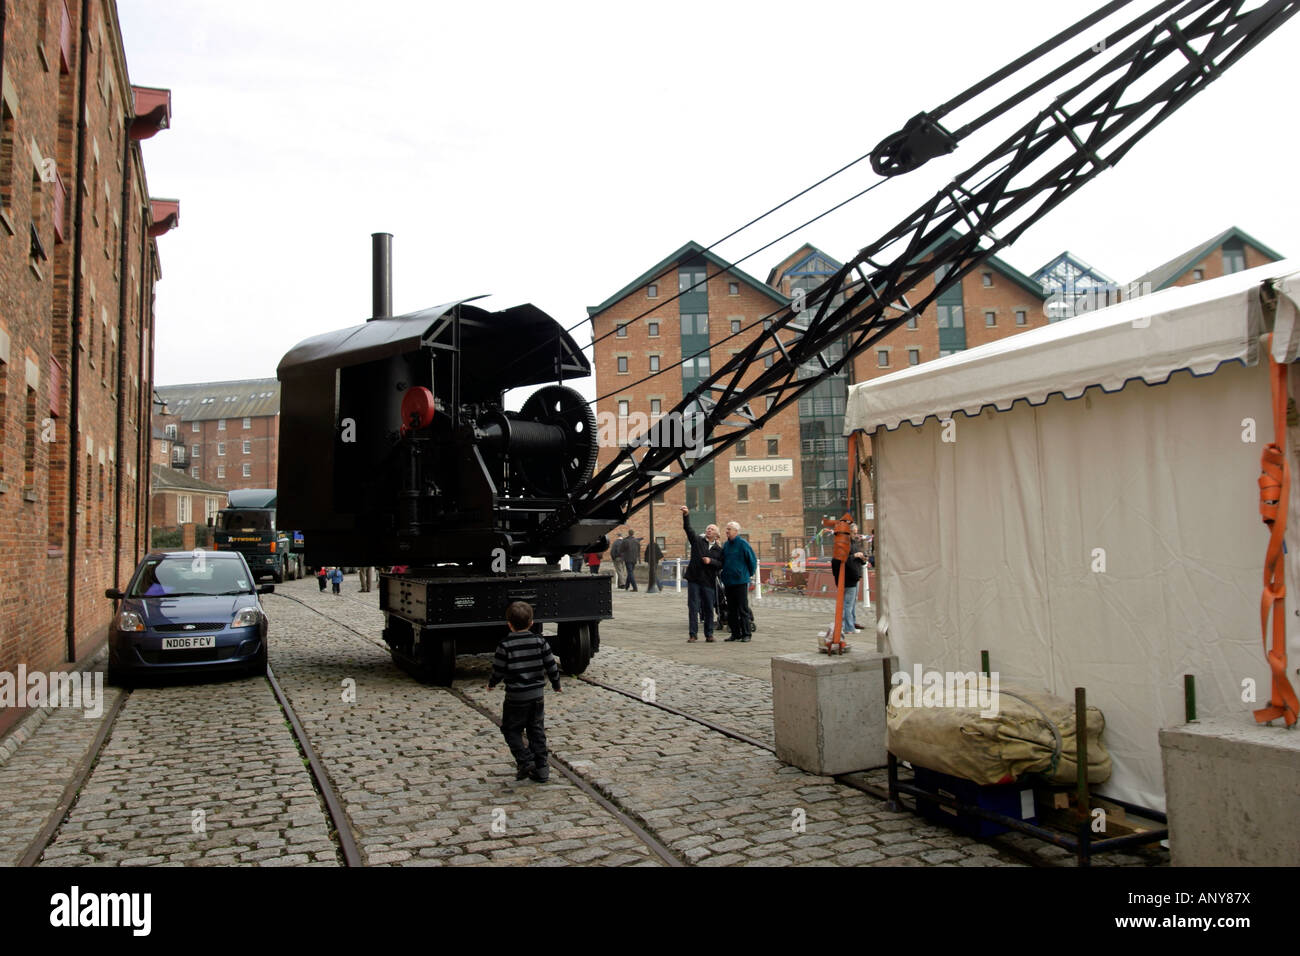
[1274, 494]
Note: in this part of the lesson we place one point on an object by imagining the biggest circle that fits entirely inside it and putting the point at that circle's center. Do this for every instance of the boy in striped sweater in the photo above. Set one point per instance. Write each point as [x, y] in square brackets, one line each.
[524, 661]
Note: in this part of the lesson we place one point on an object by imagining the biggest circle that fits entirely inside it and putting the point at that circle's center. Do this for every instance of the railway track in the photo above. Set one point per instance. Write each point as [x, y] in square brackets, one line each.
[606, 801]
[341, 827]
[854, 781]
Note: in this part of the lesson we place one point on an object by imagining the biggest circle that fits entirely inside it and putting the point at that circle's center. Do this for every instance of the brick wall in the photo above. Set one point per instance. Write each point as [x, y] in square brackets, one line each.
[75, 334]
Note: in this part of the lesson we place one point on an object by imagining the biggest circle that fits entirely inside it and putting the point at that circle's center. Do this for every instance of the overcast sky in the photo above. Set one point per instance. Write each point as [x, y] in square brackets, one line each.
[550, 153]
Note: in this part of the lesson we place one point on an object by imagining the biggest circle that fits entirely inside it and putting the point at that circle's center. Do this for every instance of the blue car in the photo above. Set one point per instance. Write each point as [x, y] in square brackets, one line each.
[188, 611]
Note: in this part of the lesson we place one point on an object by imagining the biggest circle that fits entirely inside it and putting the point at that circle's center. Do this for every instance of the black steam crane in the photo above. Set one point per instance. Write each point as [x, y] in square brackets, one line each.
[396, 447]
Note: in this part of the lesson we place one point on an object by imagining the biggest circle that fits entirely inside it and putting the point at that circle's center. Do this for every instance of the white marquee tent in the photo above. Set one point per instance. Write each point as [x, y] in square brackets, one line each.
[1092, 516]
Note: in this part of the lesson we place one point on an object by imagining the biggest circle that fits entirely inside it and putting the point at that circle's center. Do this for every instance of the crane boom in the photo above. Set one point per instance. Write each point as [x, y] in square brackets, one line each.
[1084, 130]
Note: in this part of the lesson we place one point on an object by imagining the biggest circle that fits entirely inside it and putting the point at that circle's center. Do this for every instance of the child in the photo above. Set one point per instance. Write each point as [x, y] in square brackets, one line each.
[320, 579]
[524, 661]
[336, 578]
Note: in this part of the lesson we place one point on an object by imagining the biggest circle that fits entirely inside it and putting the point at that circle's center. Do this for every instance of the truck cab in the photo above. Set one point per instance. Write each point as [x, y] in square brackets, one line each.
[247, 525]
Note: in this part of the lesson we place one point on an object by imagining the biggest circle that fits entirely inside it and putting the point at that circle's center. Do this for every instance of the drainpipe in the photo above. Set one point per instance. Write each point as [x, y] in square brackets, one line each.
[74, 372]
[120, 384]
[144, 408]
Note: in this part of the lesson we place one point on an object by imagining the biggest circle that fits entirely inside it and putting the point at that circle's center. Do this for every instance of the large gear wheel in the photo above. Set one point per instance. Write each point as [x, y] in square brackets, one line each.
[550, 474]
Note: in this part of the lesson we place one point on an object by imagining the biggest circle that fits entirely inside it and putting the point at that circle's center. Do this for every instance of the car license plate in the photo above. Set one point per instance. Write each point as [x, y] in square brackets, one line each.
[185, 643]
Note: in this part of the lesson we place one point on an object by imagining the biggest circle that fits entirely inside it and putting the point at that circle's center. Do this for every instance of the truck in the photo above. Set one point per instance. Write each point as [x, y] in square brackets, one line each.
[247, 525]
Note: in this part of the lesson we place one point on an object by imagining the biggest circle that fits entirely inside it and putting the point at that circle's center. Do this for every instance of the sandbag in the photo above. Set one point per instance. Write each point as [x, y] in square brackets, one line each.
[1011, 738]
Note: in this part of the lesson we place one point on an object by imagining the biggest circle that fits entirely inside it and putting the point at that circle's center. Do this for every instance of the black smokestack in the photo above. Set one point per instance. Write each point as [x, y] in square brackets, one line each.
[382, 274]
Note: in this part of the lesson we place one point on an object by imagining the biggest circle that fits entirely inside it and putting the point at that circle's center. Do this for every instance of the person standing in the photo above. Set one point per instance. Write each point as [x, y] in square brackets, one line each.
[616, 555]
[739, 564]
[852, 578]
[631, 555]
[363, 578]
[653, 555]
[593, 562]
[336, 579]
[701, 576]
[320, 578]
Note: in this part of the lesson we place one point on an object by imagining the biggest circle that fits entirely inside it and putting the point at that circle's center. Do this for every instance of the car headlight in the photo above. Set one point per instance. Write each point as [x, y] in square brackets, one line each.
[129, 621]
[247, 617]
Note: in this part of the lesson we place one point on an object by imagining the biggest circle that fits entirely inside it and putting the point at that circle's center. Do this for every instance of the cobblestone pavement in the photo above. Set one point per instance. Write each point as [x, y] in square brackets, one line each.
[425, 779]
[33, 779]
[197, 774]
[428, 781]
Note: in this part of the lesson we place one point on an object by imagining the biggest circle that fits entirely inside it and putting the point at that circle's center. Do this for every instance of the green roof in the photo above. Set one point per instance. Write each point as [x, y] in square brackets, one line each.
[691, 249]
[1163, 276]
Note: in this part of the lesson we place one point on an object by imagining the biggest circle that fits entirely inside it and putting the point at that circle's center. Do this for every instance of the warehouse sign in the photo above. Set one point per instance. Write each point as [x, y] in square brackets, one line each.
[778, 468]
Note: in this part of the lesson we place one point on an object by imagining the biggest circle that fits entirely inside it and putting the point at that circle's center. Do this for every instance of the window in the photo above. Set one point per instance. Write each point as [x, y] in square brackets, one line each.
[248, 470]
[221, 424]
[1021, 317]
[622, 330]
[654, 363]
[183, 509]
[1198, 274]
[771, 400]
[655, 406]
[194, 426]
[652, 329]
[767, 324]
[767, 361]
[29, 445]
[742, 492]
[696, 367]
[7, 160]
[882, 358]
[622, 365]
[950, 316]
[988, 279]
[735, 325]
[695, 323]
[772, 447]
[248, 423]
[691, 280]
[210, 508]
[221, 448]
[248, 447]
[194, 451]
[742, 448]
[194, 472]
[911, 323]
[221, 471]
[652, 290]
[990, 319]
[1234, 256]
[773, 492]
[171, 431]
[178, 454]
[913, 356]
[622, 408]
[733, 288]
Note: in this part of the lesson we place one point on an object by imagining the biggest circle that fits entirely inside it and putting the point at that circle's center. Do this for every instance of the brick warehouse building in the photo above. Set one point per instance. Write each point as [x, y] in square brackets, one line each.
[78, 264]
[793, 471]
[224, 433]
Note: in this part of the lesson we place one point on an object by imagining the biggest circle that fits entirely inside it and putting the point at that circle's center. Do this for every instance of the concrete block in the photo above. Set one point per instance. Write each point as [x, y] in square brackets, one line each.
[1230, 793]
[828, 711]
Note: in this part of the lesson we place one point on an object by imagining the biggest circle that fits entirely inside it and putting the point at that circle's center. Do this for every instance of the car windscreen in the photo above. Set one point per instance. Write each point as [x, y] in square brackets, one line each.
[235, 519]
[189, 575]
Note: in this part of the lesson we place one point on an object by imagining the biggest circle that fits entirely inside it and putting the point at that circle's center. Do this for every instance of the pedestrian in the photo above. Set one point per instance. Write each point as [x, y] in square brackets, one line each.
[852, 578]
[593, 562]
[336, 578]
[616, 555]
[320, 579]
[701, 576]
[631, 556]
[525, 662]
[363, 578]
[653, 555]
[739, 564]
